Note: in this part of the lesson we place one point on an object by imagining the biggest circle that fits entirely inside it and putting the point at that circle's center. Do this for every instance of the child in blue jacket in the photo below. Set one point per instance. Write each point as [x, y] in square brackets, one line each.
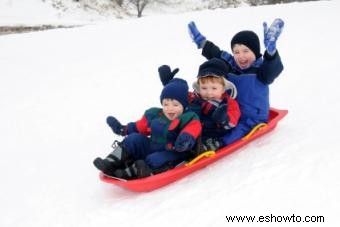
[249, 71]
[162, 138]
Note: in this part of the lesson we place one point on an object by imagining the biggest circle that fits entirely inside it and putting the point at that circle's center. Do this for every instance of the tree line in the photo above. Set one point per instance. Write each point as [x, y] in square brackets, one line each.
[140, 5]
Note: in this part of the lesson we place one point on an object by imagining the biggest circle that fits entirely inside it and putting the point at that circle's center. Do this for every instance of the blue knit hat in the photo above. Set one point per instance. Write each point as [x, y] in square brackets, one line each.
[176, 89]
[214, 66]
[249, 39]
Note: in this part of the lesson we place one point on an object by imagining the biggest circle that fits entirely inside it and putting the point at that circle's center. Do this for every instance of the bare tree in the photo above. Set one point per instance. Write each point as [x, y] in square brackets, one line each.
[140, 5]
[214, 4]
[282, 1]
[119, 2]
[274, 1]
[256, 2]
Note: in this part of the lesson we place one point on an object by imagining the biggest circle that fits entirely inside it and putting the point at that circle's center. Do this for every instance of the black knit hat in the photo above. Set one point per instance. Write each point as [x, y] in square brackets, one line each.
[176, 89]
[213, 66]
[249, 39]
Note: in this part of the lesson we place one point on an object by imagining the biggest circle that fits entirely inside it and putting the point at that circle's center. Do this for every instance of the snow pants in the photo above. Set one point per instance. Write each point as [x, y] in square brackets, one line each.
[242, 128]
[139, 147]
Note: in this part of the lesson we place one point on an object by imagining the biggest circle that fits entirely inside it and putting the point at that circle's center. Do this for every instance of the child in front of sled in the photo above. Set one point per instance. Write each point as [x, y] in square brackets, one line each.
[249, 71]
[213, 100]
[161, 139]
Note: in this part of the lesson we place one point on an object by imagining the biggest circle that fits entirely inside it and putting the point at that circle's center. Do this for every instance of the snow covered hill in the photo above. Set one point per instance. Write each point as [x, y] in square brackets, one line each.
[58, 86]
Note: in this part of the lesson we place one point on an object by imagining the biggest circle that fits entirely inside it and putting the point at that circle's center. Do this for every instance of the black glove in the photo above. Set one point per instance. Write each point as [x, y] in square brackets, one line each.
[220, 114]
[115, 125]
[165, 74]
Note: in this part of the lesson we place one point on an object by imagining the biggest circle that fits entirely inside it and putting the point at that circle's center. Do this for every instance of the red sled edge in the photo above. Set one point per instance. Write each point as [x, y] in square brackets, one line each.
[162, 179]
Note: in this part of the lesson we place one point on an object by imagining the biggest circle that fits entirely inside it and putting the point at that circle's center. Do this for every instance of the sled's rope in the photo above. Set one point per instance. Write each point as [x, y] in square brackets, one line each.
[255, 129]
[206, 154]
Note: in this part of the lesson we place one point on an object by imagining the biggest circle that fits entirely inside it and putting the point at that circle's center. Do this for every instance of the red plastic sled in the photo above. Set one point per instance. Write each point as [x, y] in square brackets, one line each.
[162, 179]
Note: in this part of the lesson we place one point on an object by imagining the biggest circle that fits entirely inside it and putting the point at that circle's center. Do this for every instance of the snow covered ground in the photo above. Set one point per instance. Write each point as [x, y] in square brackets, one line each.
[58, 86]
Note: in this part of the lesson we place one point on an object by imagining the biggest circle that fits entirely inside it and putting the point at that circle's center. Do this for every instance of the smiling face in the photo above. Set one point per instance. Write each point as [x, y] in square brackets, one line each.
[211, 88]
[243, 56]
[172, 108]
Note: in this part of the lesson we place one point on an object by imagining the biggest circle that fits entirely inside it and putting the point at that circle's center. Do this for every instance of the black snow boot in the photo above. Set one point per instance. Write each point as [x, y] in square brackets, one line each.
[212, 144]
[198, 149]
[138, 169]
[115, 160]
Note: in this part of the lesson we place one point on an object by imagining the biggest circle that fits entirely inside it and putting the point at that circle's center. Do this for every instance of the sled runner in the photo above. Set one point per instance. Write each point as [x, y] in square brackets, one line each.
[164, 178]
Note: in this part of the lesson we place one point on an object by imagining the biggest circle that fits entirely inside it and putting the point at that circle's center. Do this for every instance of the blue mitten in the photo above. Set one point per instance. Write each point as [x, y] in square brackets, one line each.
[220, 114]
[184, 142]
[165, 74]
[115, 125]
[196, 36]
[271, 34]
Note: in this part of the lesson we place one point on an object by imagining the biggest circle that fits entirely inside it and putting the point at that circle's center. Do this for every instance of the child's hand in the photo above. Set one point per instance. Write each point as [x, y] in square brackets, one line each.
[165, 74]
[220, 114]
[184, 142]
[196, 36]
[115, 125]
[272, 34]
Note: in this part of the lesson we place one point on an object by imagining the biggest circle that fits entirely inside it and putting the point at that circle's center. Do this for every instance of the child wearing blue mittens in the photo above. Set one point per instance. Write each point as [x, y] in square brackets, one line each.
[248, 70]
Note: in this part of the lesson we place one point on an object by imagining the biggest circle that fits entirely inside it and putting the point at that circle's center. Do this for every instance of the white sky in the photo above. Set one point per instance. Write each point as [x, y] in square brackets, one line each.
[58, 86]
